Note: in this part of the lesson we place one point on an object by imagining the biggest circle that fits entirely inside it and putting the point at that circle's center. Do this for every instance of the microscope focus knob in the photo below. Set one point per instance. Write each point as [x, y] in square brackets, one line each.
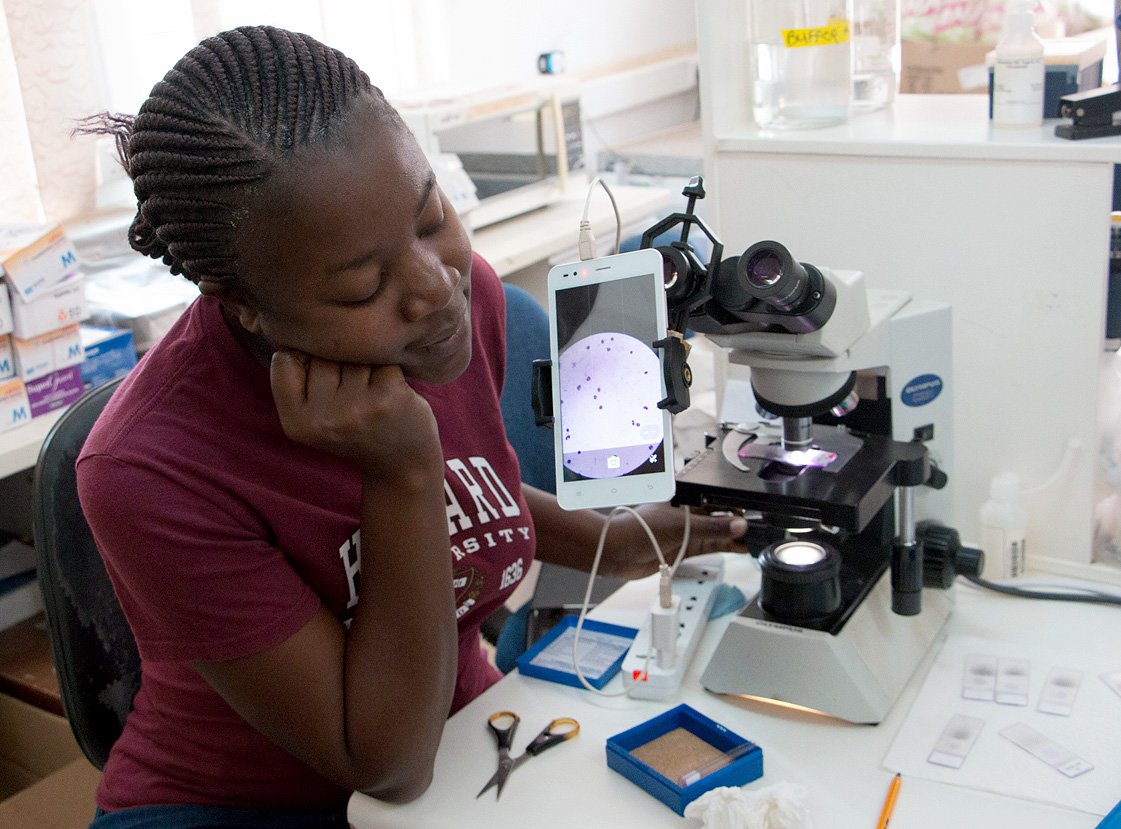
[944, 556]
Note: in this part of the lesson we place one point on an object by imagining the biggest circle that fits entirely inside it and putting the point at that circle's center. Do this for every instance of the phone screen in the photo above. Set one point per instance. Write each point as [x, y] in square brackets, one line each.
[610, 379]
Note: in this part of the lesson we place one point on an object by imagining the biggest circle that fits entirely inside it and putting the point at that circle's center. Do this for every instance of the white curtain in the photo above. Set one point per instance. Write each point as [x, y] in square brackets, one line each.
[48, 78]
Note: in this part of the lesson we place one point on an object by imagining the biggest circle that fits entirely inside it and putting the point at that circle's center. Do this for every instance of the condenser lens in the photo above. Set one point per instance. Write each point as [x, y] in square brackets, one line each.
[800, 553]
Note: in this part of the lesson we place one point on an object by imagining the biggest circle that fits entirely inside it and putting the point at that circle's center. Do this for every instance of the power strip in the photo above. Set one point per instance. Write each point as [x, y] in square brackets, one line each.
[695, 584]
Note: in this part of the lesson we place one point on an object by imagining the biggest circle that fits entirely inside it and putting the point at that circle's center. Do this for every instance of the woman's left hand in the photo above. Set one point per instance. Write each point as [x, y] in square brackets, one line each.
[628, 553]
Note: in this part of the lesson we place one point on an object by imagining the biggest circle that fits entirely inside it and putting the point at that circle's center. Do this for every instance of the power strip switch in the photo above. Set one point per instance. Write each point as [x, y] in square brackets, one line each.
[694, 590]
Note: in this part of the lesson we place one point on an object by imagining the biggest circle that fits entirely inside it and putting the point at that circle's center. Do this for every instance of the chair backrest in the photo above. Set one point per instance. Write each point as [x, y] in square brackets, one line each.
[527, 339]
[94, 650]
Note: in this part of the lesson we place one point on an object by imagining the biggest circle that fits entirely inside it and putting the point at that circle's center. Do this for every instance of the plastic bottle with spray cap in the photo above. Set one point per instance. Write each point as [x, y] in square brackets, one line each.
[1018, 70]
[1004, 524]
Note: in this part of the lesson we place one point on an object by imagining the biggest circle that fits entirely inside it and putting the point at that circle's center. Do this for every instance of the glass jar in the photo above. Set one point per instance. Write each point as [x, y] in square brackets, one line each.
[876, 53]
[801, 62]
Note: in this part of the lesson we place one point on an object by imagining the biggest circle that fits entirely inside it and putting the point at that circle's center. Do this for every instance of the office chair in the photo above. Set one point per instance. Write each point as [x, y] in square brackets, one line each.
[527, 339]
[95, 655]
[559, 589]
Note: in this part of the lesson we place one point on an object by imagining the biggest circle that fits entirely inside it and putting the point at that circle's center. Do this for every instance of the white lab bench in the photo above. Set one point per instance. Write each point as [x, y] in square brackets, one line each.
[840, 764]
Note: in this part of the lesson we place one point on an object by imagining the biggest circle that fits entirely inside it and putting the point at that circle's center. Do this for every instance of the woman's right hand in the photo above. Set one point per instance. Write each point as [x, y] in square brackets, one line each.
[366, 414]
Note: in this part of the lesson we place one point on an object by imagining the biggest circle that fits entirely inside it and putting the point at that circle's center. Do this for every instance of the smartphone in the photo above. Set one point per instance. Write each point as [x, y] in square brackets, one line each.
[613, 445]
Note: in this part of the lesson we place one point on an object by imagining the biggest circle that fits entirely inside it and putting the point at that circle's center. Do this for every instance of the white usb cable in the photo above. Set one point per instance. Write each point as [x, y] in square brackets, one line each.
[587, 240]
[665, 607]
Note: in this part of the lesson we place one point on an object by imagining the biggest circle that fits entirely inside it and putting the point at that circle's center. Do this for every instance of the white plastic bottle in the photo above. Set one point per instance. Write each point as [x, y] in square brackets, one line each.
[1018, 72]
[1004, 523]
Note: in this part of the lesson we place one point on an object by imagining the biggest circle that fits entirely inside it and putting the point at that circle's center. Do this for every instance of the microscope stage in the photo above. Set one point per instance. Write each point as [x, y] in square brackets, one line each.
[846, 494]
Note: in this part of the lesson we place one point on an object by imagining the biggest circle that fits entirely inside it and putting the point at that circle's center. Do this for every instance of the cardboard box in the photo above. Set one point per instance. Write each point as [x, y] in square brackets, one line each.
[55, 390]
[7, 360]
[64, 304]
[33, 744]
[109, 353]
[934, 67]
[15, 408]
[5, 311]
[48, 352]
[35, 258]
[63, 799]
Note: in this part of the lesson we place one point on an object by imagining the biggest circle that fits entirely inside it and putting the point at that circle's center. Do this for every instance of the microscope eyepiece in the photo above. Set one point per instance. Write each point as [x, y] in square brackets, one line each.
[766, 286]
[764, 269]
[769, 273]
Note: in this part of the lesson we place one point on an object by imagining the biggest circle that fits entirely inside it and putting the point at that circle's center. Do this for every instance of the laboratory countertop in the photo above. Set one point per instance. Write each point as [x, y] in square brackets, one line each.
[840, 764]
[925, 126]
[517, 243]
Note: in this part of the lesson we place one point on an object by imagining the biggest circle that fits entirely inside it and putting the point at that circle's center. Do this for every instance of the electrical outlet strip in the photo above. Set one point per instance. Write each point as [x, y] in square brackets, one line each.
[695, 583]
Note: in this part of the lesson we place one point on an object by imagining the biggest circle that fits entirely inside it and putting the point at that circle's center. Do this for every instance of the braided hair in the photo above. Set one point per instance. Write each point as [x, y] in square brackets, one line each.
[218, 124]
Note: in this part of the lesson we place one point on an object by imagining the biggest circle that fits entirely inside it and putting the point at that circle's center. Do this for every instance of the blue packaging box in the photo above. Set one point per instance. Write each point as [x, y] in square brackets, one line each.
[603, 646]
[744, 758]
[109, 353]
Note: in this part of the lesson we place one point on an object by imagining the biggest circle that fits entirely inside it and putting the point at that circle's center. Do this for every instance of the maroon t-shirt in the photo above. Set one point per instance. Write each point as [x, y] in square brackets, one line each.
[222, 538]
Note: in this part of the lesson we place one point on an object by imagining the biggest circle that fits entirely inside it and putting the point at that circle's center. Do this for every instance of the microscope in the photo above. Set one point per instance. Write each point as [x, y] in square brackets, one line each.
[842, 467]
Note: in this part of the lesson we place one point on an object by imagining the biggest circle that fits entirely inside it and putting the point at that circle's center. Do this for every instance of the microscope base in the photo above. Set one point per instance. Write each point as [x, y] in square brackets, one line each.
[855, 674]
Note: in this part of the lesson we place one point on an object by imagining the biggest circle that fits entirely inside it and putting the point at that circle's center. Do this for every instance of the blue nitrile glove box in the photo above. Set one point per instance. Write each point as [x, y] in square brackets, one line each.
[110, 353]
[745, 765]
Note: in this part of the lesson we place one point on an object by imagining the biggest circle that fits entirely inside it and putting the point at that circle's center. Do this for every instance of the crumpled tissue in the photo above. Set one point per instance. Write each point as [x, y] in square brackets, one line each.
[780, 806]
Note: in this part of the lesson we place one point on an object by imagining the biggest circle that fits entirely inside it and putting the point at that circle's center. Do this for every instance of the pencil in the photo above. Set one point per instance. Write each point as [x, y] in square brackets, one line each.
[889, 802]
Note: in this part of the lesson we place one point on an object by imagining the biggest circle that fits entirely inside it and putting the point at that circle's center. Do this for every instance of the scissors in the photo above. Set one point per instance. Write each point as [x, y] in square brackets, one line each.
[503, 724]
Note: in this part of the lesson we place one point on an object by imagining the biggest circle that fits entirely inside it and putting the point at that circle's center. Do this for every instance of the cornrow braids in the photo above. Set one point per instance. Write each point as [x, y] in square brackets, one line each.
[217, 124]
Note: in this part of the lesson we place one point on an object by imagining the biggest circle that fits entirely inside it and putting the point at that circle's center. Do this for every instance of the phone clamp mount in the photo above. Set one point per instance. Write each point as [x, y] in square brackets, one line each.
[1091, 113]
[688, 284]
[675, 370]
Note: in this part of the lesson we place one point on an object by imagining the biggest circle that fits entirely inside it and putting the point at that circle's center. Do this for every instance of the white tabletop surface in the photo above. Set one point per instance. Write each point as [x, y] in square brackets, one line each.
[19, 447]
[516, 243]
[840, 764]
[926, 126]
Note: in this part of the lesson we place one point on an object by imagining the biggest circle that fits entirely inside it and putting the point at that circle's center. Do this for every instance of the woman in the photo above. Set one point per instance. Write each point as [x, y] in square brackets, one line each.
[321, 426]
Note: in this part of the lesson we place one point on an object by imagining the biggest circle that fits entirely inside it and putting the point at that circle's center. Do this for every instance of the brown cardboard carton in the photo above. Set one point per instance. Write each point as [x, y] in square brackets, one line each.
[33, 744]
[943, 68]
[62, 800]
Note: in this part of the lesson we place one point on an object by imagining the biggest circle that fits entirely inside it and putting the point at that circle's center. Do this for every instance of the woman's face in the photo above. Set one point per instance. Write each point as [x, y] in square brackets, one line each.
[354, 255]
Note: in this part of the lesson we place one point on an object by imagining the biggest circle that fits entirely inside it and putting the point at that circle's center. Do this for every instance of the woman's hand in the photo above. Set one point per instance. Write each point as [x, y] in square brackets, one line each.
[570, 538]
[366, 414]
[628, 553]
